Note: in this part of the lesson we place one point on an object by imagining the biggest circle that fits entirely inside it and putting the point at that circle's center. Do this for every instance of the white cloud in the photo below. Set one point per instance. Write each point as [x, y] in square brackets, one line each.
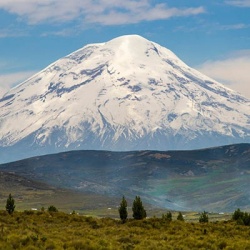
[12, 32]
[158, 12]
[239, 3]
[7, 81]
[62, 33]
[237, 26]
[104, 12]
[233, 71]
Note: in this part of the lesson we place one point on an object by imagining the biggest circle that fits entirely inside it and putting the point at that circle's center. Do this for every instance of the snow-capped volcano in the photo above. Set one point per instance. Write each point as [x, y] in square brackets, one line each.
[126, 94]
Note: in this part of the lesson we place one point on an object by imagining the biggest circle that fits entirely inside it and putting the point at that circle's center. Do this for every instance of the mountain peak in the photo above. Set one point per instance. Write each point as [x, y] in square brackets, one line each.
[129, 42]
[136, 47]
[126, 94]
[132, 38]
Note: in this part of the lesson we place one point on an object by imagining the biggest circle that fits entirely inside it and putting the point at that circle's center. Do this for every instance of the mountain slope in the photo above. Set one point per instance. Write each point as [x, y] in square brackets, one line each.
[126, 94]
[215, 179]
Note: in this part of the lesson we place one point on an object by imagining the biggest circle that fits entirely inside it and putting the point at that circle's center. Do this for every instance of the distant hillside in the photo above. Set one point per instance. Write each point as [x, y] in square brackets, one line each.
[214, 179]
[30, 194]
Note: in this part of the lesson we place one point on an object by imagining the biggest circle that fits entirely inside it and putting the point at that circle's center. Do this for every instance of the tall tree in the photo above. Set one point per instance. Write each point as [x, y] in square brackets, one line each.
[123, 212]
[180, 217]
[167, 216]
[139, 212]
[10, 204]
[203, 217]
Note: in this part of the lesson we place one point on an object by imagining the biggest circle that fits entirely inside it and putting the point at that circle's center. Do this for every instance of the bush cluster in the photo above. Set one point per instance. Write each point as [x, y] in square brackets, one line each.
[242, 218]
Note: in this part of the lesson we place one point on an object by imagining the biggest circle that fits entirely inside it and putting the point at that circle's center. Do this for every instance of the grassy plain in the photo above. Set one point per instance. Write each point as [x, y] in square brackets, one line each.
[43, 230]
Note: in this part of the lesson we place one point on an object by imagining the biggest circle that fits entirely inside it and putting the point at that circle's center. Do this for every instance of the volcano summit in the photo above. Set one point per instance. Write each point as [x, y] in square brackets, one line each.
[125, 94]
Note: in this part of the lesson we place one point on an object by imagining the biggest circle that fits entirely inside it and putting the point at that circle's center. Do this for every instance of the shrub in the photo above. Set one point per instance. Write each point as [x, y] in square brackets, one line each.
[43, 238]
[246, 219]
[241, 218]
[222, 245]
[28, 212]
[237, 215]
[52, 209]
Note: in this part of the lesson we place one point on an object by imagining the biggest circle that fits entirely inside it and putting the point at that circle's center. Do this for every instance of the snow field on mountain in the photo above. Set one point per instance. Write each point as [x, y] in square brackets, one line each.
[130, 92]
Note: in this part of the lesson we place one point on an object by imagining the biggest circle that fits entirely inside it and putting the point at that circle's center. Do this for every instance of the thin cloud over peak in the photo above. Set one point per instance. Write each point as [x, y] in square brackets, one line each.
[102, 12]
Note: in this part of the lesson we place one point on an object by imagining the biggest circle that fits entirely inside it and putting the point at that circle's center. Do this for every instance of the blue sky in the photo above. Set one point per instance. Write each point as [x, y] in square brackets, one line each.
[211, 36]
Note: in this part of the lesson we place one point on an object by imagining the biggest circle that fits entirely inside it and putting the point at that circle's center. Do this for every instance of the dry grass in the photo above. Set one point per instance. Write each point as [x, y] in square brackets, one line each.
[43, 230]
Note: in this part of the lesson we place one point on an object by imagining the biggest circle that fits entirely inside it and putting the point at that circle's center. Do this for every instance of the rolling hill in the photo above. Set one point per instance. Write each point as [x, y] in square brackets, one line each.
[213, 179]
